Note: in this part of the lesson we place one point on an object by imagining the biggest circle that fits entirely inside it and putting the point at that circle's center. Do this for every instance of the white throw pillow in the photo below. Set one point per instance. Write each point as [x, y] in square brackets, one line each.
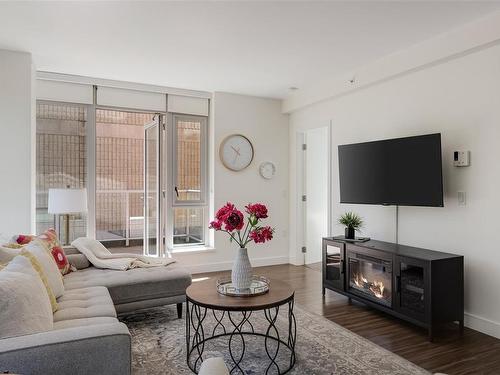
[24, 306]
[49, 267]
[7, 254]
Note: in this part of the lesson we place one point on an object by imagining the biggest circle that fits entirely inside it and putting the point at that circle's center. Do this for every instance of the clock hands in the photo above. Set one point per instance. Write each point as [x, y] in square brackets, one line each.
[236, 153]
[236, 150]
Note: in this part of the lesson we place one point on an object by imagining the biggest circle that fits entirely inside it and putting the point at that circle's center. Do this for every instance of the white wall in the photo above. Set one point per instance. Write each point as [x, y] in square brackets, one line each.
[17, 137]
[261, 121]
[460, 99]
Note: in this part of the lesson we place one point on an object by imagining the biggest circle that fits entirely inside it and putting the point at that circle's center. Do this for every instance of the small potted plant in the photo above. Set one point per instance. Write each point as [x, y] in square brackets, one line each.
[352, 223]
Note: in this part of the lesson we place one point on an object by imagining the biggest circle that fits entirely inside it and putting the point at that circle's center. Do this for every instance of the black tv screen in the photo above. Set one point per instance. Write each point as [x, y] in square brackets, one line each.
[402, 171]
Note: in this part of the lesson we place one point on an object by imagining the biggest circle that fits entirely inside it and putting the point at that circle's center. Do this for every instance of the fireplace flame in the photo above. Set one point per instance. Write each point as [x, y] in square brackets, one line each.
[376, 287]
[358, 280]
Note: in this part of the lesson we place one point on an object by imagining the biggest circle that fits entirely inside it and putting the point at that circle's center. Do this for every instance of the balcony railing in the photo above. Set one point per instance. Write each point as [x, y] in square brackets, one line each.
[123, 218]
[120, 217]
[116, 219]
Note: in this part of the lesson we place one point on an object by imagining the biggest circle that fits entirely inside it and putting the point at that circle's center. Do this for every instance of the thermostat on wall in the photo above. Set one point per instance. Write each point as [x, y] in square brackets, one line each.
[461, 158]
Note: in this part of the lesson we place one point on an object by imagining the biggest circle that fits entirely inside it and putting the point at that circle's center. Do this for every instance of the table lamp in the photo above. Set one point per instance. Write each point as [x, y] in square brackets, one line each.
[66, 202]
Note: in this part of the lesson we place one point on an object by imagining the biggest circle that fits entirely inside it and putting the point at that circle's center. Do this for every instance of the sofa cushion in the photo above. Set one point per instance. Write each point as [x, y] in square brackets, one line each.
[137, 284]
[40, 251]
[84, 322]
[78, 261]
[24, 302]
[85, 303]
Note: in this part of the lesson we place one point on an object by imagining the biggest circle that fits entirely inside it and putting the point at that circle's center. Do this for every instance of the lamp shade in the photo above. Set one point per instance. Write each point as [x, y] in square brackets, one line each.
[67, 201]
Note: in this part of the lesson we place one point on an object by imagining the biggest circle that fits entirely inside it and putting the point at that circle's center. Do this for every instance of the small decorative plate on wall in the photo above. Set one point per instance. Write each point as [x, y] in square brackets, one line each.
[236, 152]
[267, 170]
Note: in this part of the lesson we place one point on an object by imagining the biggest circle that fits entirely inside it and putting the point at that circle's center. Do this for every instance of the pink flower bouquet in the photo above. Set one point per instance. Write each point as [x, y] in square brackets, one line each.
[231, 220]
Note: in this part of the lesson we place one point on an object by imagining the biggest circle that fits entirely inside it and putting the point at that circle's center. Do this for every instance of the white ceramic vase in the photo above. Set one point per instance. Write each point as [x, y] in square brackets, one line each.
[241, 275]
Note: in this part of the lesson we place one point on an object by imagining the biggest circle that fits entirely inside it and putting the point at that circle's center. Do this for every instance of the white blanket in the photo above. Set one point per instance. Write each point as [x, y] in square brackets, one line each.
[101, 257]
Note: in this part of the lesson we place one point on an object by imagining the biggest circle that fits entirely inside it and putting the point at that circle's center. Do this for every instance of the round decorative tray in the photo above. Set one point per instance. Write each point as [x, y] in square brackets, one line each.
[260, 285]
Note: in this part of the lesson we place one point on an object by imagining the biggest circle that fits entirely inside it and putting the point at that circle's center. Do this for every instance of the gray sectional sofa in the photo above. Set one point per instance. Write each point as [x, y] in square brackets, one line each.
[87, 337]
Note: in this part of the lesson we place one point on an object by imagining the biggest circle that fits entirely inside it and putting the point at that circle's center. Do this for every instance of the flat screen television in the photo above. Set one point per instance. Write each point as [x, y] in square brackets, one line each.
[402, 171]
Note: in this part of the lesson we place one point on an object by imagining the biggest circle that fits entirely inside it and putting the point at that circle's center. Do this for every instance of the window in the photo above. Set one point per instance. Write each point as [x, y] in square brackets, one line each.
[188, 226]
[60, 160]
[190, 186]
[145, 170]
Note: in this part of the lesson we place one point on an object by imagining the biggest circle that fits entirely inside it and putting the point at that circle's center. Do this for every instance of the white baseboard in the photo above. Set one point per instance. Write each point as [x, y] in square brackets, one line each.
[226, 266]
[486, 326]
[297, 262]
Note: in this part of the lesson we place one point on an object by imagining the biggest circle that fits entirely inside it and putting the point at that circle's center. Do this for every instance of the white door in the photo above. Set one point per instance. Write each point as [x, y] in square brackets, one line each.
[316, 174]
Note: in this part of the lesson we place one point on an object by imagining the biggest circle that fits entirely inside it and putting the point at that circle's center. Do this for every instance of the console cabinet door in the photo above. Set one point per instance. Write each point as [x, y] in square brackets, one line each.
[333, 264]
[411, 281]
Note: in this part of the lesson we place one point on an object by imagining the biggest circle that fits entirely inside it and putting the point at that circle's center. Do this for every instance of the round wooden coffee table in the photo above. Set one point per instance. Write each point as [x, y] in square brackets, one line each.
[232, 319]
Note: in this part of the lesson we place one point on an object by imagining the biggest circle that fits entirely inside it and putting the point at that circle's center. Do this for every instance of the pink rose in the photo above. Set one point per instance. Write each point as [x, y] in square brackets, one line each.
[261, 235]
[216, 224]
[224, 211]
[267, 233]
[256, 236]
[234, 220]
[258, 210]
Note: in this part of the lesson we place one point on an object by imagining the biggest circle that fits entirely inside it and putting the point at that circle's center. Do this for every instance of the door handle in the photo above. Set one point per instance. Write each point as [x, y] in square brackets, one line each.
[177, 192]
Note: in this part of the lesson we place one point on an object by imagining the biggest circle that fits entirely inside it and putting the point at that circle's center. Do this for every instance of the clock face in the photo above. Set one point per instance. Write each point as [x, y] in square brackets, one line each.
[236, 152]
[267, 170]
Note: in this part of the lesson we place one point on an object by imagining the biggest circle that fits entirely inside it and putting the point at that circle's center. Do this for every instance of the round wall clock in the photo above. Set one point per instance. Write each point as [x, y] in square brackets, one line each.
[236, 152]
[267, 170]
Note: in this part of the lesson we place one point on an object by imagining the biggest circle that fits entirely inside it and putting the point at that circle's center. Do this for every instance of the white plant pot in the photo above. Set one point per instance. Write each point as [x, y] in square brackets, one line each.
[241, 275]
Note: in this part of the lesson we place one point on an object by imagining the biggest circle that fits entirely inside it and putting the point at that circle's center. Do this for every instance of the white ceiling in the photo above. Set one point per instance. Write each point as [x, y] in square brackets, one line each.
[257, 48]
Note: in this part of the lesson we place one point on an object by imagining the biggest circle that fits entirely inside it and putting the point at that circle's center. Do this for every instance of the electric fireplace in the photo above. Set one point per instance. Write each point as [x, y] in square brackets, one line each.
[397, 279]
[370, 277]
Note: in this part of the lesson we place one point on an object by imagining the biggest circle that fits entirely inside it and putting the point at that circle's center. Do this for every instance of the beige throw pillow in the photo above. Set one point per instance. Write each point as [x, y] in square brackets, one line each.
[39, 269]
[49, 266]
[24, 306]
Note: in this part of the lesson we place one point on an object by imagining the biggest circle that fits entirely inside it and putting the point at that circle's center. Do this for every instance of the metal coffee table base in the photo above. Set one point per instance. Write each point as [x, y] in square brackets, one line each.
[239, 327]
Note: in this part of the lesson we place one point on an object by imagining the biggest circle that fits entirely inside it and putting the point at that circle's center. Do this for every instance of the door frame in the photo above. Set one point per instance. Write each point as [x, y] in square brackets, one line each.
[158, 121]
[301, 207]
[92, 173]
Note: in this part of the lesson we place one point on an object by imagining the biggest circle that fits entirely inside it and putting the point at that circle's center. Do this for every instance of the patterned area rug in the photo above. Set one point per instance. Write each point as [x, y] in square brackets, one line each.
[322, 348]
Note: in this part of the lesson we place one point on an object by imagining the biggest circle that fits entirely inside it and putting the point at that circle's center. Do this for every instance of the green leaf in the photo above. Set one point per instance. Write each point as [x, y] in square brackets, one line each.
[351, 220]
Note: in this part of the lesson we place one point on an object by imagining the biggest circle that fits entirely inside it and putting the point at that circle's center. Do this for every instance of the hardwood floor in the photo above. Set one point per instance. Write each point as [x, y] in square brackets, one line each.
[450, 353]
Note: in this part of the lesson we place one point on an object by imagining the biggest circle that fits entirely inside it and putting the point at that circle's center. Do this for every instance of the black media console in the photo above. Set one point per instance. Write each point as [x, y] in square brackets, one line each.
[421, 286]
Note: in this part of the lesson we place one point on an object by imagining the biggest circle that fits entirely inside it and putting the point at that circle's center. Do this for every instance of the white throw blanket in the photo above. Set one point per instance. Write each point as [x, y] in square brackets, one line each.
[101, 257]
